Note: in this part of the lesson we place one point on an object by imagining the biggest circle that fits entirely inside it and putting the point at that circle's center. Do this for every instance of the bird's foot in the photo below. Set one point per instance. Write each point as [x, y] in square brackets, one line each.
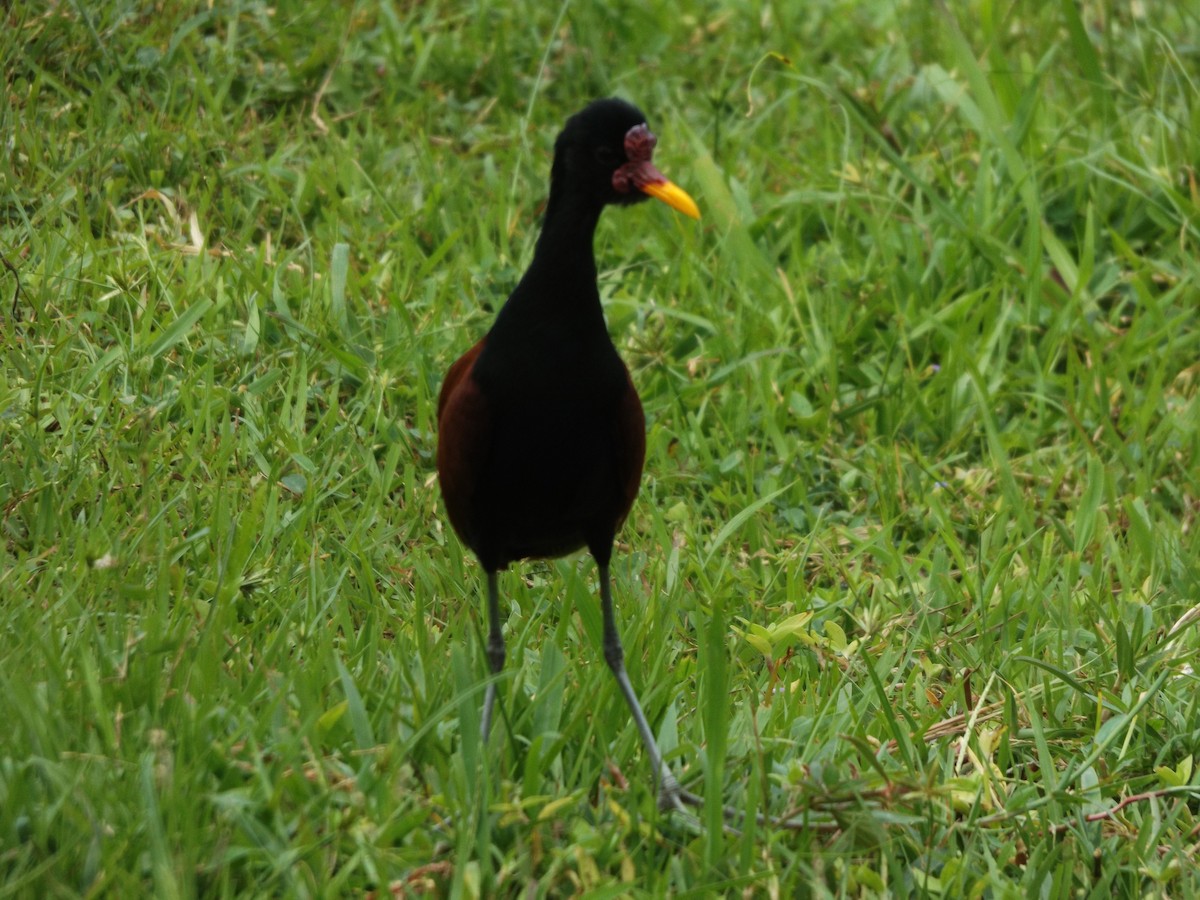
[672, 797]
[669, 795]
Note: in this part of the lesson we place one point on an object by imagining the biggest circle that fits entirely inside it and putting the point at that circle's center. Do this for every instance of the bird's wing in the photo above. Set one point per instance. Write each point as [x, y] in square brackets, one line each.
[464, 430]
[457, 372]
[631, 445]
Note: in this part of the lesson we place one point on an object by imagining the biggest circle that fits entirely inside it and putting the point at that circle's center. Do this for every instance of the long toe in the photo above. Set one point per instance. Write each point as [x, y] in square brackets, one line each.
[670, 794]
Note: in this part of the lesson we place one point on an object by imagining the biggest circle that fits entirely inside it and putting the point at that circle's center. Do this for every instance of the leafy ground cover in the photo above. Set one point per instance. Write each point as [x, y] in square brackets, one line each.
[915, 562]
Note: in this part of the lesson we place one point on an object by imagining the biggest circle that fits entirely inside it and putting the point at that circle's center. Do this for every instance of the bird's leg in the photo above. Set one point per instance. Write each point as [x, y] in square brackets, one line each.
[495, 649]
[669, 791]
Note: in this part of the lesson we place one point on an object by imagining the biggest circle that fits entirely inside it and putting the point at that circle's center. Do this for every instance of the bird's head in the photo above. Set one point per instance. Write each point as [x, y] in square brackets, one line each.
[606, 150]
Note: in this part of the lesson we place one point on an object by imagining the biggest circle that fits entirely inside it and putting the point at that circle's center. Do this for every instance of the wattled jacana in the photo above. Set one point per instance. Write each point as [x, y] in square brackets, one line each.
[541, 435]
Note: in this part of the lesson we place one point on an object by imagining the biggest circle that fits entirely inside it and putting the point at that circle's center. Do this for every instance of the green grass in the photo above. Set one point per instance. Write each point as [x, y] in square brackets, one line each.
[919, 525]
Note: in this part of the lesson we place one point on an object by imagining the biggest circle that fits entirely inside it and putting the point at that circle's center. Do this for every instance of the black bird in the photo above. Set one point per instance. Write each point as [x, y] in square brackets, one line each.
[541, 436]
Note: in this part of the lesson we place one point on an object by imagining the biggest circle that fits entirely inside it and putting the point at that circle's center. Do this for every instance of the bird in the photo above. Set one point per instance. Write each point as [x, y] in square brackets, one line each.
[541, 434]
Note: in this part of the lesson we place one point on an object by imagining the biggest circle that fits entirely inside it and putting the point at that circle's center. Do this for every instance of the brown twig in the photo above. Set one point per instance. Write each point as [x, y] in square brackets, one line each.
[16, 309]
[1132, 798]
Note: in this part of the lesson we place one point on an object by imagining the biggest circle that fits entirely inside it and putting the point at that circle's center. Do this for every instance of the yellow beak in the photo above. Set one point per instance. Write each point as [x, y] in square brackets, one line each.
[674, 196]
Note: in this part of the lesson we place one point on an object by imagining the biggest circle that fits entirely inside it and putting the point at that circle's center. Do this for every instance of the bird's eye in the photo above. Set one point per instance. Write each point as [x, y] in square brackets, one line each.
[607, 157]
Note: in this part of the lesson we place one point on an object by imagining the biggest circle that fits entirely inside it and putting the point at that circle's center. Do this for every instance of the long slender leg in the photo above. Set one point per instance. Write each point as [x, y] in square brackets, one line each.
[669, 791]
[495, 649]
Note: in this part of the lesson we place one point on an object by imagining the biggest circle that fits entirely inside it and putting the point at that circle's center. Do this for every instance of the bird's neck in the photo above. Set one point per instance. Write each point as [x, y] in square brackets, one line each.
[558, 294]
[553, 318]
[564, 254]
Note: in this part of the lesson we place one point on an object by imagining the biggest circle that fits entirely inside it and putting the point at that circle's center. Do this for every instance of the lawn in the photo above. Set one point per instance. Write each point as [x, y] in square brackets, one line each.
[915, 567]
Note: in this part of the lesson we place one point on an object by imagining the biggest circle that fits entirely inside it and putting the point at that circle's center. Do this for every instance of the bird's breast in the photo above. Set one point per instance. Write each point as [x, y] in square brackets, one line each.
[554, 465]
